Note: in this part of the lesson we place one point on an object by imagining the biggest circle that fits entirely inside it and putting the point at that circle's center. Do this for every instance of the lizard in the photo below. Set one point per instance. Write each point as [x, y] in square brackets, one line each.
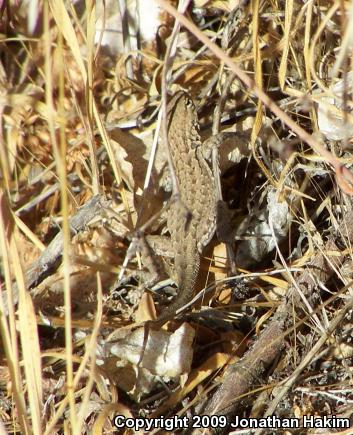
[192, 217]
[193, 214]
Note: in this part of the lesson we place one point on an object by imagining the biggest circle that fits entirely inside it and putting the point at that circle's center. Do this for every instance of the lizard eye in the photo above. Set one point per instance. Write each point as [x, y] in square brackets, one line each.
[189, 103]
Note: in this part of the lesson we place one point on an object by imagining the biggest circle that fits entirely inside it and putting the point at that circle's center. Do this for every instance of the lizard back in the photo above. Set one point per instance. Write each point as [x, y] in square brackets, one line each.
[192, 217]
[194, 176]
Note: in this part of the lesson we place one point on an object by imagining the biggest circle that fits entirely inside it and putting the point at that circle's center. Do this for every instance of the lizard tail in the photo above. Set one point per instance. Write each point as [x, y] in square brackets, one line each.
[187, 277]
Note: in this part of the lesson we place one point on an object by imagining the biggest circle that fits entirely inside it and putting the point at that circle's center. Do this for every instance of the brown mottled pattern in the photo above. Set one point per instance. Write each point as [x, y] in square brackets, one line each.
[192, 217]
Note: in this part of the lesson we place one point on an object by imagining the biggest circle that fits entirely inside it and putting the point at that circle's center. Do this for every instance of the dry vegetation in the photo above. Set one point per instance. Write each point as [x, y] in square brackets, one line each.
[78, 127]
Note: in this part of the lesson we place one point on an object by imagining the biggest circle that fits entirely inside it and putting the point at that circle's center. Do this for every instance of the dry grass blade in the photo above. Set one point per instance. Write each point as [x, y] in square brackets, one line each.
[64, 24]
[31, 357]
[8, 329]
[286, 43]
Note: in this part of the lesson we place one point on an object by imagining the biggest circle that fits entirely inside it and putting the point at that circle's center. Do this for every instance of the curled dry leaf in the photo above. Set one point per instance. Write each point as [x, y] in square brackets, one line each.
[334, 124]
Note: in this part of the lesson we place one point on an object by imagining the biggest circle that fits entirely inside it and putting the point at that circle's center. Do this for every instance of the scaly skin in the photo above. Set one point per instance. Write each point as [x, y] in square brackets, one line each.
[192, 217]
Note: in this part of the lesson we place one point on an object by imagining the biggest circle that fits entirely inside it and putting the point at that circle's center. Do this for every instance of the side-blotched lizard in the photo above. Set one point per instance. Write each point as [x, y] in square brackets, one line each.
[192, 215]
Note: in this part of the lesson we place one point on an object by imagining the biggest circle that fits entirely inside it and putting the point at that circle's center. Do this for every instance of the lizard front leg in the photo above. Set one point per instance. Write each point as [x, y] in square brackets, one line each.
[225, 233]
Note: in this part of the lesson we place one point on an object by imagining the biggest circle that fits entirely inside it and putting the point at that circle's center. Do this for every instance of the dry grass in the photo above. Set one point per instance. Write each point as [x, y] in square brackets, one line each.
[81, 119]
